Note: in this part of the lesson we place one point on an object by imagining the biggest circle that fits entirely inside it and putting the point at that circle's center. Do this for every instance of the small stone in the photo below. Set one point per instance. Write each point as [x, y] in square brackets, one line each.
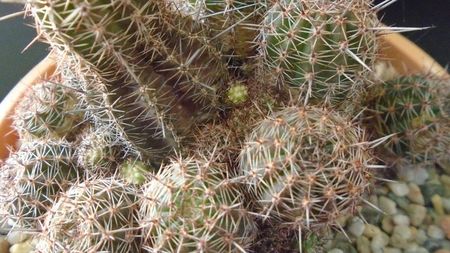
[415, 195]
[371, 230]
[15, 237]
[416, 174]
[363, 244]
[345, 247]
[401, 202]
[392, 250]
[24, 247]
[445, 225]
[445, 179]
[400, 237]
[414, 248]
[435, 232]
[4, 245]
[356, 227]
[379, 242]
[446, 204]
[430, 189]
[388, 206]
[437, 204]
[421, 236]
[400, 220]
[399, 188]
[387, 224]
[442, 251]
[432, 245]
[416, 214]
[335, 251]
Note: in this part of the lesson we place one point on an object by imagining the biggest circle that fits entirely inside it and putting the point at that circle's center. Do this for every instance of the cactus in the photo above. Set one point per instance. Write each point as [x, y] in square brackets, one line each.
[234, 23]
[307, 166]
[323, 50]
[134, 171]
[191, 206]
[100, 150]
[39, 171]
[98, 215]
[142, 89]
[48, 110]
[413, 108]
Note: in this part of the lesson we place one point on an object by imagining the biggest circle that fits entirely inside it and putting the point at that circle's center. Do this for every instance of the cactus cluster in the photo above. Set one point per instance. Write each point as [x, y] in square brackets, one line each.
[209, 125]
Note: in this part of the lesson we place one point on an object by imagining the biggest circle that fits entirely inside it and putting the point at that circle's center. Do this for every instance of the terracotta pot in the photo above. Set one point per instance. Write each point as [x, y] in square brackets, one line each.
[405, 56]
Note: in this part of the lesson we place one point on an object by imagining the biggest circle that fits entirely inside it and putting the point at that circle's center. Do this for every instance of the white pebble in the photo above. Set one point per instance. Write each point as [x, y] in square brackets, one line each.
[387, 205]
[401, 220]
[435, 232]
[356, 227]
[399, 188]
[335, 251]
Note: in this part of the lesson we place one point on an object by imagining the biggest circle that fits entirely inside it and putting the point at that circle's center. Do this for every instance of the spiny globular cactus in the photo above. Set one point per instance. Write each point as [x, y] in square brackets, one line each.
[322, 50]
[306, 166]
[191, 206]
[153, 73]
[98, 215]
[415, 109]
[48, 110]
[100, 150]
[41, 171]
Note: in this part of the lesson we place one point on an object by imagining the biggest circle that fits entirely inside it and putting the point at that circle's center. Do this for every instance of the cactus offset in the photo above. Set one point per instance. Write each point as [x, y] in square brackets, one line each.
[191, 206]
[415, 108]
[48, 110]
[322, 50]
[307, 166]
[94, 216]
[42, 171]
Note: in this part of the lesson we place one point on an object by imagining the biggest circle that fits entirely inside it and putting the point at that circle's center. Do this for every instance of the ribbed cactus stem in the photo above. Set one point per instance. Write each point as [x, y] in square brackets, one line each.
[307, 166]
[93, 216]
[42, 170]
[48, 110]
[415, 109]
[323, 50]
[102, 34]
[191, 206]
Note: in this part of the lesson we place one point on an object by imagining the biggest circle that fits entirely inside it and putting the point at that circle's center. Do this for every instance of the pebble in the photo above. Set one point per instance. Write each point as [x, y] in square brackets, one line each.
[435, 232]
[400, 189]
[416, 214]
[388, 206]
[335, 251]
[379, 242]
[400, 236]
[442, 251]
[356, 227]
[437, 204]
[387, 224]
[416, 175]
[4, 245]
[24, 247]
[15, 237]
[421, 236]
[371, 230]
[430, 189]
[363, 244]
[400, 220]
[446, 204]
[445, 225]
[392, 250]
[415, 195]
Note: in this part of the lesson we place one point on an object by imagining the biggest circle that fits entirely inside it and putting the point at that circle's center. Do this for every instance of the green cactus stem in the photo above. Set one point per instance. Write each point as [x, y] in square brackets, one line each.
[94, 216]
[306, 166]
[322, 50]
[191, 206]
